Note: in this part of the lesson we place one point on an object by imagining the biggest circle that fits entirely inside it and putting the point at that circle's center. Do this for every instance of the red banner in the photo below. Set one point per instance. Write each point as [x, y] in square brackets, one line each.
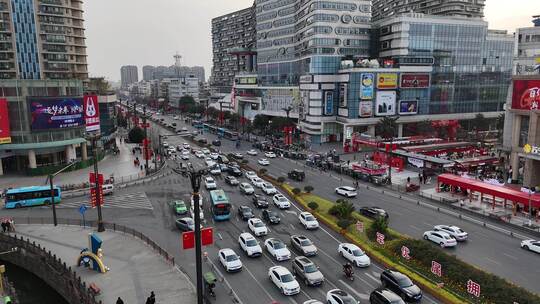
[5, 134]
[188, 240]
[526, 95]
[94, 197]
[415, 81]
[207, 236]
[91, 113]
[92, 178]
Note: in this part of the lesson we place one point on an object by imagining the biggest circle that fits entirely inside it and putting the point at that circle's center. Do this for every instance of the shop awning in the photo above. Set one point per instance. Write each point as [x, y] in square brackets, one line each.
[507, 193]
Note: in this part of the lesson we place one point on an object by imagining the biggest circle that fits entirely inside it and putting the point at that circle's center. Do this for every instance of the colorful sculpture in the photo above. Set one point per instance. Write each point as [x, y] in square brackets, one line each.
[93, 257]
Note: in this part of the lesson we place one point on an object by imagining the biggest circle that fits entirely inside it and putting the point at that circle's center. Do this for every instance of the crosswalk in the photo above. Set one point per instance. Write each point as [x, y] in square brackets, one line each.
[137, 200]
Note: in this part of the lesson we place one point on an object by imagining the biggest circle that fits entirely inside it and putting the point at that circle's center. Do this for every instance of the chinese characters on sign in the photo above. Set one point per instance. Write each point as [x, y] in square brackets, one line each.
[380, 238]
[405, 252]
[436, 268]
[91, 113]
[526, 95]
[56, 113]
[360, 226]
[473, 288]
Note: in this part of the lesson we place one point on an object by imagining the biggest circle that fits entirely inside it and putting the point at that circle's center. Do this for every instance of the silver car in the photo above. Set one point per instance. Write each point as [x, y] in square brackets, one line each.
[307, 271]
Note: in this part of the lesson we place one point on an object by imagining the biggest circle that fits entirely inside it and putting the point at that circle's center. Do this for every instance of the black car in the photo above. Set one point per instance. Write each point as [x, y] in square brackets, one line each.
[231, 180]
[235, 171]
[260, 201]
[297, 175]
[245, 212]
[271, 216]
[216, 142]
[203, 140]
[384, 296]
[374, 212]
[401, 285]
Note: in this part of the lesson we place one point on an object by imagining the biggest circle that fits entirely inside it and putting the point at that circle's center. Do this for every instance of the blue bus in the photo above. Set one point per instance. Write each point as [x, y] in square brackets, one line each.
[221, 208]
[31, 196]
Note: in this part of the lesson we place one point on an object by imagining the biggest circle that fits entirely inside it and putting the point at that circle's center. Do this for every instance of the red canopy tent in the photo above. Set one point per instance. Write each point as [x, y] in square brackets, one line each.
[506, 193]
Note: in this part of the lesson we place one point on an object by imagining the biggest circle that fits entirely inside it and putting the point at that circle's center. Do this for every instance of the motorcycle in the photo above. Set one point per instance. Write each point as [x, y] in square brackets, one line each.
[349, 273]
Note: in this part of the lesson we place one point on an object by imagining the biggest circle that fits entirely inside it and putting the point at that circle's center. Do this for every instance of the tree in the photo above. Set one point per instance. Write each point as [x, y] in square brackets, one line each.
[379, 225]
[260, 122]
[480, 123]
[308, 189]
[296, 191]
[99, 86]
[281, 179]
[136, 135]
[262, 171]
[344, 223]
[387, 127]
[343, 209]
[313, 205]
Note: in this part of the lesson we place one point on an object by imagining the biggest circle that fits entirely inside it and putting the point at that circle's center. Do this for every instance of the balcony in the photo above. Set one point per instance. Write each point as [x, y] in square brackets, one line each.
[53, 2]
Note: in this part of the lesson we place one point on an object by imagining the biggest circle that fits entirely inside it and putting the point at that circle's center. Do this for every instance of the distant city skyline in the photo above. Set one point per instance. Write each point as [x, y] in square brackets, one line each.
[153, 34]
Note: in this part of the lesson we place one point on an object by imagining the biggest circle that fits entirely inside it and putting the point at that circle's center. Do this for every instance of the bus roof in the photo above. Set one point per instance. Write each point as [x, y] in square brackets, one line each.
[29, 189]
[218, 196]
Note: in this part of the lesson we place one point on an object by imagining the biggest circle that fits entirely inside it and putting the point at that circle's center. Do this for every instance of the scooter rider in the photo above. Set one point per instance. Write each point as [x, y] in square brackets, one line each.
[348, 269]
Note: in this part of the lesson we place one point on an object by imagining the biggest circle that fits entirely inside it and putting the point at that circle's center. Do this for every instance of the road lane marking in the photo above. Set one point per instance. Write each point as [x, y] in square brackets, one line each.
[493, 261]
[259, 283]
[292, 226]
[511, 256]
[371, 277]
[359, 295]
[416, 228]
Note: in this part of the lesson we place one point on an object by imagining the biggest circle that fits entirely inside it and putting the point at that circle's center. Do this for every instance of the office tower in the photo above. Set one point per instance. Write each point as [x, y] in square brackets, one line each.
[128, 75]
[389, 8]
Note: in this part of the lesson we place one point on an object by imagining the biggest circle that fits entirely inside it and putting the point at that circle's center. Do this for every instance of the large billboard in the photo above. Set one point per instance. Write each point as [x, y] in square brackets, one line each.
[5, 136]
[386, 103]
[365, 109]
[55, 112]
[414, 81]
[387, 80]
[408, 107]
[526, 95]
[366, 86]
[91, 113]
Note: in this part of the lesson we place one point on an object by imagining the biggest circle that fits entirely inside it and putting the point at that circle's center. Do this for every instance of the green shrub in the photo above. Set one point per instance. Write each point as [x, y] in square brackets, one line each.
[313, 205]
[334, 210]
[296, 191]
[281, 179]
[136, 135]
[343, 209]
[262, 171]
[379, 225]
[308, 189]
[344, 223]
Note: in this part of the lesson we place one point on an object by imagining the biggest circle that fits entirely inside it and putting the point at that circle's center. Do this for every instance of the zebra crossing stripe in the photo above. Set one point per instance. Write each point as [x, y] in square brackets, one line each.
[137, 200]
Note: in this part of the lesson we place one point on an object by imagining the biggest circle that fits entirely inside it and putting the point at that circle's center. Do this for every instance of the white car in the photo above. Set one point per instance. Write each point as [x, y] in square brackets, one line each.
[263, 162]
[313, 302]
[186, 146]
[209, 163]
[338, 296]
[205, 151]
[229, 260]
[281, 201]
[308, 220]
[277, 249]
[531, 245]
[268, 188]
[246, 188]
[210, 183]
[257, 227]
[284, 280]
[270, 154]
[215, 170]
[250, 174]
[214, 156]
[184, 156]
[354, 254]
[257, 182]
[454, 232]
[199, 154]
[346, 191]
[252, 152]
[249, 245]
[441, 238]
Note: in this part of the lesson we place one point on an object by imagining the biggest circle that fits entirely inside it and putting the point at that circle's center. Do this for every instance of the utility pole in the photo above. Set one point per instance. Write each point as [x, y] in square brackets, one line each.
[97, 186]
[54, 193]
[195, 177]
[243, 119]
[146, 155]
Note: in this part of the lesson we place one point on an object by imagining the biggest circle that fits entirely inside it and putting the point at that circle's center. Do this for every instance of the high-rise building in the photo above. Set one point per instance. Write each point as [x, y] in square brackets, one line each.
[148, 72]
[42, 40]
[389, 8]
[129, 74]
[233, 31]
[527, 49]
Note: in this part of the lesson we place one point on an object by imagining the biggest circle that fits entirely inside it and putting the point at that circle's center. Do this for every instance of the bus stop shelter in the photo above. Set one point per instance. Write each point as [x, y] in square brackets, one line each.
[485, 189]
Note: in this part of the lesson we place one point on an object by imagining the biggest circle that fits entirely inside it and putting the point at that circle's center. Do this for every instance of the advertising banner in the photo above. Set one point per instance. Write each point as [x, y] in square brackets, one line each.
[56, 112]
[329, 103]
[5, 136]
[408, 107]
[526, 95]
[387, 80]
[366, 86]
[366, 109]
[91, 113]
[414, 81]
[386, 103]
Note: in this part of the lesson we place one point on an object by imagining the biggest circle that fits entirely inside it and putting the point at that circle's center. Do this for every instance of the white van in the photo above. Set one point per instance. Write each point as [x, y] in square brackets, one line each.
[108, 189]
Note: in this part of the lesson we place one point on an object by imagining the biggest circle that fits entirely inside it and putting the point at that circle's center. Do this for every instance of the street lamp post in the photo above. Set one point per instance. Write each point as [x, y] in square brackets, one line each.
[146, 140]
[51, 183]
[101, 227]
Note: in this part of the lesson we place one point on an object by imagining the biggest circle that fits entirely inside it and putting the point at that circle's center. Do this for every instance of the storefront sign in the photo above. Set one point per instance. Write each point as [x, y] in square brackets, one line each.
[526, 95]
[91, 113]
[386, 103]
[343, 95]
[473, 288]
[530, 149]
[306, 79]
[408, 107]
[348, 132]
[414, 81]
[387, 80]
[56, 112]
[5, 135]
[418, 163]
[329, 103]
[366, 109]
[366, 86]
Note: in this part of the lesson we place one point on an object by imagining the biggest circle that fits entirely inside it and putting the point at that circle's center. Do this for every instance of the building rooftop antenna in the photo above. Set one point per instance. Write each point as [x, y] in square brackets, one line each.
[177, 60]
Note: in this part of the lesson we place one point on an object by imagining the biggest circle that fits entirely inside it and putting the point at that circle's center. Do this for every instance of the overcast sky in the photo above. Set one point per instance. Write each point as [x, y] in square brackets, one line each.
[150, 32]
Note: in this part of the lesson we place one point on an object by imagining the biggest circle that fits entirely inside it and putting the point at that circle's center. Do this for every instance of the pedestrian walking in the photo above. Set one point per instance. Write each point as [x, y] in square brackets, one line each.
[420, 177]
[424, 175]
[119, 301]
[151, 299]
[4, 226]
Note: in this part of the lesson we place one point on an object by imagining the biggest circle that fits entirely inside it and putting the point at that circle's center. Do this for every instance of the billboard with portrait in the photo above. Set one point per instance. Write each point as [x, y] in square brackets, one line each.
[385, 103]
[408, 107]
[55, 112]
[5, 136]
[387, 80]
[414, 81]
[526, 95]
[366, 109]
[366, 86]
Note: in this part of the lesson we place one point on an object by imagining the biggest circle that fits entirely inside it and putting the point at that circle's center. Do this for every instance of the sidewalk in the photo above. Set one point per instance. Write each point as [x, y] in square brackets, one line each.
[135, 269]
[121, 165]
